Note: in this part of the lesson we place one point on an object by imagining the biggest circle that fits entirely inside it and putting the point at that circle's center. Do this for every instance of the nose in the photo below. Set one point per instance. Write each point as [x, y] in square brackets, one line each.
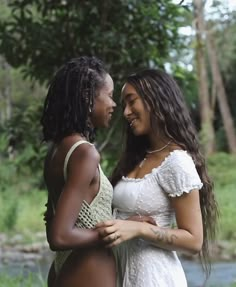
[127, 111]
[114, 104]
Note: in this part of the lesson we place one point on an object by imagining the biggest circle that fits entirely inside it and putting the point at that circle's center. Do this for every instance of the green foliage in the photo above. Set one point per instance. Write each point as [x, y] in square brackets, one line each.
[32, 207]
[222, 170]
[22, 212]
[21, 146]
[221, 141]
[9, 210]
[30, 280]
[28, 203]
[188, 83]
[41, 35]
[224, 28]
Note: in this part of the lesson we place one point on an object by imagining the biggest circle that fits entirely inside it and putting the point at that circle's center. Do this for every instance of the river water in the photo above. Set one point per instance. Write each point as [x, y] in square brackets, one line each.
[223, 273]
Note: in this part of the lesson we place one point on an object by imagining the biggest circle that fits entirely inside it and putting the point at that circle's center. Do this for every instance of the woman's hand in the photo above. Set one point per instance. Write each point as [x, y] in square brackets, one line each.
[142, 218]
[114, 232]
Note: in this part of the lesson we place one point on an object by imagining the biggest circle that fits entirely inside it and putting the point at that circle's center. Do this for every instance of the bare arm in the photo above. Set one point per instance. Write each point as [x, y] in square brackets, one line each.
[188, 236]
[62, 232]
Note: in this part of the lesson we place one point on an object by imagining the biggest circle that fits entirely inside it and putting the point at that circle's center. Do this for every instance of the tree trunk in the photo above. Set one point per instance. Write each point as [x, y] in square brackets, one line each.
[221, 95]
[207, 129]
[6, 89]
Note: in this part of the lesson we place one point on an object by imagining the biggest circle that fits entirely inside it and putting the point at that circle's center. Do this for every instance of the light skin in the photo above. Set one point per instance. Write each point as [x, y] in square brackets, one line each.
[188, 235]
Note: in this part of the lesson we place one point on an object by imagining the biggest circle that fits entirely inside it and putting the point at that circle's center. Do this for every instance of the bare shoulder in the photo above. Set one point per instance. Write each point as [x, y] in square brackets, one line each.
[88, 152]
[84, 151]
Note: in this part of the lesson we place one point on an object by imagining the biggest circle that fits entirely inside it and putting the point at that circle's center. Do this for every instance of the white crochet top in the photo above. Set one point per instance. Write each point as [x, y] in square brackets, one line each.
[89, 214]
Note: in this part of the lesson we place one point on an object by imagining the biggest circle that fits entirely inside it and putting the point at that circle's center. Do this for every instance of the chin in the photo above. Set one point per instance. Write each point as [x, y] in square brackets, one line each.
[105, 125]
[137, 132]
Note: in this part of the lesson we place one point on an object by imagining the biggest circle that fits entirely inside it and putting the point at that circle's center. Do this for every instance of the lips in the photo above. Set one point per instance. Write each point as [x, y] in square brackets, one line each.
[132, 122]
[110, 114]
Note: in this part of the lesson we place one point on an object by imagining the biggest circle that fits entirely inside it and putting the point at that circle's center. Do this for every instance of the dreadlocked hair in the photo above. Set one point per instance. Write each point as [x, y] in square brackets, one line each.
[169, 113]
[70, 99]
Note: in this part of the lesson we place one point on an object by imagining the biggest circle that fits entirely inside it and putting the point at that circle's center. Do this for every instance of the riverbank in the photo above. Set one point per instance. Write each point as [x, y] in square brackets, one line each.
[14, 249]
[29, 263]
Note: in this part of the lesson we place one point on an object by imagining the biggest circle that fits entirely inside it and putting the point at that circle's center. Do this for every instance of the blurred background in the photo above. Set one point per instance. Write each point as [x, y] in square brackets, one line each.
[195, 41]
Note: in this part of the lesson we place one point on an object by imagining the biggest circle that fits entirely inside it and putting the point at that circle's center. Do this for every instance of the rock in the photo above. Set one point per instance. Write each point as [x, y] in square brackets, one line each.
[36, 247]
[3, 238]
[226, 257]
[15, 239]
[226, 245]
[41, 235]
[29, 264]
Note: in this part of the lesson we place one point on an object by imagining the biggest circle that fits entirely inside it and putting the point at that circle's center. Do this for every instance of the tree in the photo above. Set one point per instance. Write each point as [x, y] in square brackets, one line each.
[41, 34]
[5, 91]
[207, 129]
[221, 94]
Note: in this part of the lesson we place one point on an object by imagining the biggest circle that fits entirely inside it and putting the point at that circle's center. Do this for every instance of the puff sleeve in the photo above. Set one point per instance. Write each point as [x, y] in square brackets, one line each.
[178, 174]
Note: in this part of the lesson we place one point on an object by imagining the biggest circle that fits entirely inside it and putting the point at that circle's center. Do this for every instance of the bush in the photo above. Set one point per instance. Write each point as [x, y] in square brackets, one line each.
[30, 280]
[222, 170]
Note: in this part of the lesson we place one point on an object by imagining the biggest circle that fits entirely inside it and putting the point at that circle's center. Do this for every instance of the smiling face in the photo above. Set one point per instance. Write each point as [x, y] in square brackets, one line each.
[103, 104]
[135, 111]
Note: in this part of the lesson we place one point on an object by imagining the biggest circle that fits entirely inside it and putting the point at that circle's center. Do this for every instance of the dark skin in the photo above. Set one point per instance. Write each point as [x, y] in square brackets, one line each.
[90, 263]
[89, 255]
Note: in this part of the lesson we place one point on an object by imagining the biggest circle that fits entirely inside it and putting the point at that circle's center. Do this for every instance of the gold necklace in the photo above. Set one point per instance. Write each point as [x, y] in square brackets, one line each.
[153, 151]
[160, 149]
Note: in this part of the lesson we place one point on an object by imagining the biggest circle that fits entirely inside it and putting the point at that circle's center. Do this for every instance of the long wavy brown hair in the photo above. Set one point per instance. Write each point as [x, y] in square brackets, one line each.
[169, 113]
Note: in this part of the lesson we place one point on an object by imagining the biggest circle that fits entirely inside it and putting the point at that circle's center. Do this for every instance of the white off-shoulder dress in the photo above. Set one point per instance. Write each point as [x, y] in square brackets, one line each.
[139, 263]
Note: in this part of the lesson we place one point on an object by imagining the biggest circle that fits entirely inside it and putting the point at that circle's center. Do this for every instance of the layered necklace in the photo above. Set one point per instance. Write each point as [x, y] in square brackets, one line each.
[153, 151]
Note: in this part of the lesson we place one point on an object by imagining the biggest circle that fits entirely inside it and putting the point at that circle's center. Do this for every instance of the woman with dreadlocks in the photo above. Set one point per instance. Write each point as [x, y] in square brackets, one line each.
[161, 174]
[79, 100]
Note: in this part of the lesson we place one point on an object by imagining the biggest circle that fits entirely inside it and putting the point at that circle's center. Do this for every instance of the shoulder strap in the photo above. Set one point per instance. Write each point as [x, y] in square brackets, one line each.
[74, 146]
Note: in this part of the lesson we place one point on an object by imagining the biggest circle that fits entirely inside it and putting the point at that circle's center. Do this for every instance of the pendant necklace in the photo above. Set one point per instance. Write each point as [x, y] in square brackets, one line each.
[153, 151]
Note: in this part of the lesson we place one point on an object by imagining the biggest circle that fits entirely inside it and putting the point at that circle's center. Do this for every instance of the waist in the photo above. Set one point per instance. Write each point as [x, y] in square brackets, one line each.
[83, 257]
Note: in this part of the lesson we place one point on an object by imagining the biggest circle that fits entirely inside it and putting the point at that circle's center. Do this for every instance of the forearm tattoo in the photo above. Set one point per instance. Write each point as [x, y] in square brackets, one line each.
[163, 236]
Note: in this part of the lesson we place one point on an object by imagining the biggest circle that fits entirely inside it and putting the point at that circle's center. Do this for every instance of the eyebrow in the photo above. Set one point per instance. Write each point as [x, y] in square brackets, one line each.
[129, 95]
[126, 97]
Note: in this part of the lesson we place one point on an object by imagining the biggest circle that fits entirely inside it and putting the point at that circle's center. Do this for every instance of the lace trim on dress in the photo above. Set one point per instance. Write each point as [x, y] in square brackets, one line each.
[155, 169]
[186, 190]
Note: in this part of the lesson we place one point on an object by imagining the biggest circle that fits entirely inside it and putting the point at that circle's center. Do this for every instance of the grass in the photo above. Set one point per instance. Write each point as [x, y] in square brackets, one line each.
[36, 281]
[29, 280]
[22, 211]
[226, 197]
[222, 168]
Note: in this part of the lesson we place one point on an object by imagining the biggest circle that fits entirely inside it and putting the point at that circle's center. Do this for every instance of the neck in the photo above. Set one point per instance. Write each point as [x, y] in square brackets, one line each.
[157, 141]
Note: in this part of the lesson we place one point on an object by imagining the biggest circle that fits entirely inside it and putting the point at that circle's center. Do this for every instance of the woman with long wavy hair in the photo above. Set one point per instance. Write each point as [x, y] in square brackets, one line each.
[161, 174]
